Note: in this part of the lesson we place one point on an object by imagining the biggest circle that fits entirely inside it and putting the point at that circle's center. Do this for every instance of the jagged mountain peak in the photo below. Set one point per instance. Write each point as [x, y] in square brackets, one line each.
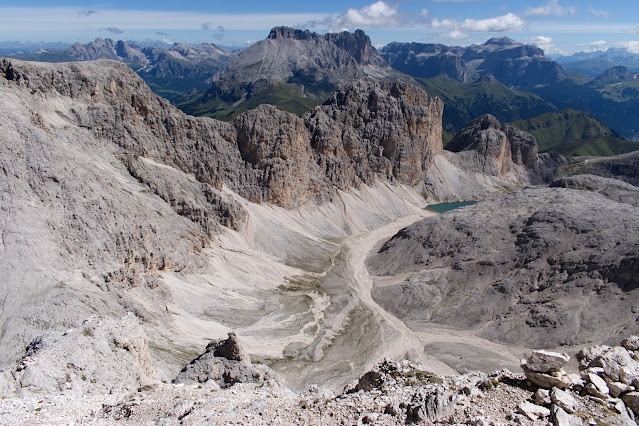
[289, 32]
[299, 64]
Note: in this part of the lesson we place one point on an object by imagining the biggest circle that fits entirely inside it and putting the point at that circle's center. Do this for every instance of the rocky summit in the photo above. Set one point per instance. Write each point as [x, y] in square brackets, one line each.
[157, 267]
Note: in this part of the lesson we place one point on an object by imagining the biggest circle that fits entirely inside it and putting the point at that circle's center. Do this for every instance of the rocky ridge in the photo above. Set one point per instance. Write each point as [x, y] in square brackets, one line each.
[391, 393]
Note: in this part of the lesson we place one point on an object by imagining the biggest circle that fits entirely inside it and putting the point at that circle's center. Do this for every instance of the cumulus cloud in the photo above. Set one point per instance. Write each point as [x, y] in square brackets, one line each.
[504, 23]
[424, 13]
[550, 8]
[113, 30]
[377, 15]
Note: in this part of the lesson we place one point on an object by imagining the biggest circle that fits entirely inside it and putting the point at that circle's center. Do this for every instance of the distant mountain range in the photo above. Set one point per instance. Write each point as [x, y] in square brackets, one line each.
[169, 71]
[513, 64]
[296, 70]
[591, 64]
[612, 97]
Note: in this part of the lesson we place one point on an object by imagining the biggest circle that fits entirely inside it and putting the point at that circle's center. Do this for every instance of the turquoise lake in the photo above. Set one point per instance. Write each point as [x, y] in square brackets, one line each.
[444, 207]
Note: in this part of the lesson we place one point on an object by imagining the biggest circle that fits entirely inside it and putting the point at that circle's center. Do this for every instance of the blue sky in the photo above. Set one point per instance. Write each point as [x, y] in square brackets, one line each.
[557, 26]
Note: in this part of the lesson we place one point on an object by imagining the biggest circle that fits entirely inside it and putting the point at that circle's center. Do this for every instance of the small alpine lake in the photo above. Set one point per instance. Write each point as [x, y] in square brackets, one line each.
[444, 207]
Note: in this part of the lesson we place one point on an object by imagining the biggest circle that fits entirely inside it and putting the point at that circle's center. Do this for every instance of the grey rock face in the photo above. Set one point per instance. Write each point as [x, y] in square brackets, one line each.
[519, 265]
[431, 406]
[95, 357]
[495, 146]
[371, 128]
[318, 64]
[545, 361]
[276, 146]
[224, 363]
[614, 189]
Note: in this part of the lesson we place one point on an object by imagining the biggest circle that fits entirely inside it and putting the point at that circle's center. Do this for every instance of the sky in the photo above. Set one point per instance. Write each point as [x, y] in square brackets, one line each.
[557, 26]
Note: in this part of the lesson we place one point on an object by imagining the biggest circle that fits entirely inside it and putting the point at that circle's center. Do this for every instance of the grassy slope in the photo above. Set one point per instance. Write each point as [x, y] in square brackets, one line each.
[464, 102]
[597, 146]
[283, 96]
[553, 130]
[617, 104]
[575, 133]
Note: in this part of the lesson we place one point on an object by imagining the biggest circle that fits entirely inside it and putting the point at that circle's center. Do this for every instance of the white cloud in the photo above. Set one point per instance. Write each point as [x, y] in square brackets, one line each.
[545, 43]
[598, 43]
[456, 35]
[424, 13]
[632, 46]
[376, 15]
[550, 8]
[503, 23]
[508, 22]
[599, 13]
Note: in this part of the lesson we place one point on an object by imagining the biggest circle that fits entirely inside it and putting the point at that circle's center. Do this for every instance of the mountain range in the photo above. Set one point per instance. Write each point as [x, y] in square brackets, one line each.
[169, 71]
[296, 70]
[135, 238]
[513, 64]
[592, 64]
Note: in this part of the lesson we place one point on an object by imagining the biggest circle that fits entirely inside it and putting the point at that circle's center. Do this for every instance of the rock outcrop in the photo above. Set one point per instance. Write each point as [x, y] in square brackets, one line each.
[614, 189]
[99, 356]
[539, 267]
[225, 363]
[370, 129]
[495, 147]
[545, 370]
[624, 167]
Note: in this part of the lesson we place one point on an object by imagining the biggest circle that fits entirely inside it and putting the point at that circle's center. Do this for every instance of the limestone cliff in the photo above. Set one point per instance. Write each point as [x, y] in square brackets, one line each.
[371, 128]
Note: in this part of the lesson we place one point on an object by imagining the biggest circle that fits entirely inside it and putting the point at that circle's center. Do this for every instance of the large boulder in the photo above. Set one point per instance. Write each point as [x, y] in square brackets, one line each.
[225, 363]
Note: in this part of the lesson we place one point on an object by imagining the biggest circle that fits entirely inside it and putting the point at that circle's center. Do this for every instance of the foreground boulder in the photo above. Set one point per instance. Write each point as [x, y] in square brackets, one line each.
[545, 369]
[225, 363]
